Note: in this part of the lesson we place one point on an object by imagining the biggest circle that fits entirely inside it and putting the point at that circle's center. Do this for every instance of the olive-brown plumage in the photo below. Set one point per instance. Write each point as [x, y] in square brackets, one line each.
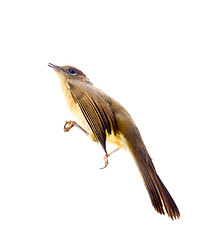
[105, 120]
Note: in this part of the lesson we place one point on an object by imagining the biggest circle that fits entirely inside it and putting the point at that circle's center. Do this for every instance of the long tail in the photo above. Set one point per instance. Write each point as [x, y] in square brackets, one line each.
[157, 191]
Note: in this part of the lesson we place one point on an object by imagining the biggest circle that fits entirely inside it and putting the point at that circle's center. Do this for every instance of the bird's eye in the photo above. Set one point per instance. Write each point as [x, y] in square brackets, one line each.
[72, 71]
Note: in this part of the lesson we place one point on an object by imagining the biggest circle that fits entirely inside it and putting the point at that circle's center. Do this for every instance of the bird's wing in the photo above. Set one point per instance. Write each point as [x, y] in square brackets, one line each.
[95, 108]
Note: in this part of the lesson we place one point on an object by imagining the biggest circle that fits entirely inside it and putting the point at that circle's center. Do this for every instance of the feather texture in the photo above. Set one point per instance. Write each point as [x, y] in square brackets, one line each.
[96, 110]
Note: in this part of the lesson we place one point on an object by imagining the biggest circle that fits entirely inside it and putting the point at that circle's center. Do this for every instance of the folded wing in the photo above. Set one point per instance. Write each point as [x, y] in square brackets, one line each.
[95, 108]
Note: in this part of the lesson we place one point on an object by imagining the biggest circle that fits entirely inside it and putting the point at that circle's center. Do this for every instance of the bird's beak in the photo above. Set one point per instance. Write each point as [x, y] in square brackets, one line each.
[56, 68]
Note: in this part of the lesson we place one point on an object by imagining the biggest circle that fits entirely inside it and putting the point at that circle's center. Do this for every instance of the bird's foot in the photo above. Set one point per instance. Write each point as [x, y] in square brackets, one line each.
[69, 124]
[106, 161]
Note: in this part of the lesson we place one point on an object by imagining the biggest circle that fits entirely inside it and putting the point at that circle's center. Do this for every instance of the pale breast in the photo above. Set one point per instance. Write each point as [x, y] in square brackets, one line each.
[74, 108]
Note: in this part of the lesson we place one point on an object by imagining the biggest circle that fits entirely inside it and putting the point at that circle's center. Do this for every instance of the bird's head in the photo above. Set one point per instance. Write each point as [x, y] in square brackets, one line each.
[69, 72]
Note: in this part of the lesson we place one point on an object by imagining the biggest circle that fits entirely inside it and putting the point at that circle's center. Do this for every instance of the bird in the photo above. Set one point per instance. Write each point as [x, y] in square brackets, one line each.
[104, 119]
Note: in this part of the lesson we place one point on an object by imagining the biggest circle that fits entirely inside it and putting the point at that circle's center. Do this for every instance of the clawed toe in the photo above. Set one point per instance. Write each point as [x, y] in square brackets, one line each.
[105, 161]
[68, 125]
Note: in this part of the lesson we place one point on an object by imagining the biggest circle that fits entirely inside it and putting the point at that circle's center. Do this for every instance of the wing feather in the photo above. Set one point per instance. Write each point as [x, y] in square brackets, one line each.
[95, 108]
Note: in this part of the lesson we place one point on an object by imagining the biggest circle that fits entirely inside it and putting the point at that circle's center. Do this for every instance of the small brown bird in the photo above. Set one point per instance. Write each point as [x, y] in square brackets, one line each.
[105, 120]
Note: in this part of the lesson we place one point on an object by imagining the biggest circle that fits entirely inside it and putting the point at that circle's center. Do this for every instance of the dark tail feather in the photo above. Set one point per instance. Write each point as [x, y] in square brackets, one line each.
[157, 191]
[170, 206]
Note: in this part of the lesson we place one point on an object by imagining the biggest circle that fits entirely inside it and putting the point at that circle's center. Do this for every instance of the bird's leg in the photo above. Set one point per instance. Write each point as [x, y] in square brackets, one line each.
[106, 158]
[69, 124]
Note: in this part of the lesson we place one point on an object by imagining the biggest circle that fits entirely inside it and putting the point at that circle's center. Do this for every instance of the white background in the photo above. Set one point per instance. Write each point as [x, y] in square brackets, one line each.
[151, 56]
